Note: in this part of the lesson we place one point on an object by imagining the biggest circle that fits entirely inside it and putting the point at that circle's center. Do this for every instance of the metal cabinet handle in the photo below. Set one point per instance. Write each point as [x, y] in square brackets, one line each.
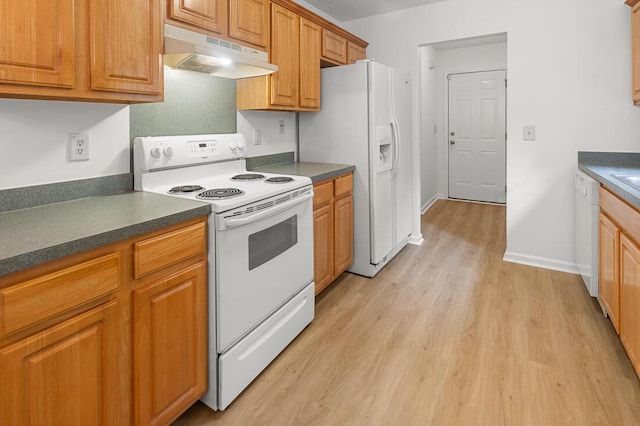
[452, 142]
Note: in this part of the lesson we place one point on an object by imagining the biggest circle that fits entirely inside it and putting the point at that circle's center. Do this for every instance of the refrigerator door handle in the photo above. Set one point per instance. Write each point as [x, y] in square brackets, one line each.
[396, 146]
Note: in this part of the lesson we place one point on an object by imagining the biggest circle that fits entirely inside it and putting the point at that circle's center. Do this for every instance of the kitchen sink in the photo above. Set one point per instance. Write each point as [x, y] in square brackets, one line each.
[631, 180]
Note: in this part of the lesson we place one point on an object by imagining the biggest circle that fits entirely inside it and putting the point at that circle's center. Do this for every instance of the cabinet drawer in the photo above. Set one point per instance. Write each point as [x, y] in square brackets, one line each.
[622, 213]
[35, 300]
[344, 185]
[322, 193]
[166, 249]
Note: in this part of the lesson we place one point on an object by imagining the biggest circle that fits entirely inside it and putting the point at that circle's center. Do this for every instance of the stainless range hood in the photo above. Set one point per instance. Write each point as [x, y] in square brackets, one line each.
[189, 50]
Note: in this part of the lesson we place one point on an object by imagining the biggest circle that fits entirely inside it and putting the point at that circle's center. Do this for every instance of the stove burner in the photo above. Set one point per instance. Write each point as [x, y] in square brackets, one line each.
[279, 179]
[248, 176]
[185, 189]
[219, 193]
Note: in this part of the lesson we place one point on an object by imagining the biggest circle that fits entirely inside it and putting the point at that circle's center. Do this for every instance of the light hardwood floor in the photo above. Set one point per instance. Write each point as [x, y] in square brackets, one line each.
[447, 334]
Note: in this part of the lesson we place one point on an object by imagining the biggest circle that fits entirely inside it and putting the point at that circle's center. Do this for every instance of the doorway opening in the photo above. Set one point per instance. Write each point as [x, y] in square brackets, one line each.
[438, 61]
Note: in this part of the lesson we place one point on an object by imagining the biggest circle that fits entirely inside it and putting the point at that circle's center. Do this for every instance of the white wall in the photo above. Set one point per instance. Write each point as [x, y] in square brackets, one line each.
[35, 134]
[569, 71]
[429, 128]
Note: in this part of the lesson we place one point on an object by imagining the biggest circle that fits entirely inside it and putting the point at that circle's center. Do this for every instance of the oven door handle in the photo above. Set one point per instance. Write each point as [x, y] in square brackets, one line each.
[226, 223]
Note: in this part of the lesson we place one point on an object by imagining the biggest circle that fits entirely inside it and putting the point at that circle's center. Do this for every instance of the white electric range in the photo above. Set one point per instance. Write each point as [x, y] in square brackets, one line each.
[261, 290]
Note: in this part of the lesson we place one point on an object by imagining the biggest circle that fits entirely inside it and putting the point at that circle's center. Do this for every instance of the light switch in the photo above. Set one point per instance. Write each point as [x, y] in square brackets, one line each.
[529, 133]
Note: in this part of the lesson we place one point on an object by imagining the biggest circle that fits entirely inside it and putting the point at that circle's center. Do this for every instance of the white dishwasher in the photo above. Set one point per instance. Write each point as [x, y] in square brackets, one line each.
[586, 229]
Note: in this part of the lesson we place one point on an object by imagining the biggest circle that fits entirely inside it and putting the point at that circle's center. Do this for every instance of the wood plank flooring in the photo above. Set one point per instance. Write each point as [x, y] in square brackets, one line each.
[447, 334]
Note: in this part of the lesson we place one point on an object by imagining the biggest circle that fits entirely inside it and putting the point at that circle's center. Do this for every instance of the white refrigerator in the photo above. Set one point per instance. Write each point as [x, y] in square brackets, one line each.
[365, 120]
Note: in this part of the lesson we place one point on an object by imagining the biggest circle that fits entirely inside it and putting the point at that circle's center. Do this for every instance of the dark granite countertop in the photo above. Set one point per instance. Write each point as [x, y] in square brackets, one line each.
[316, 171]
[603, 165]
[36, 235]
[284, 163]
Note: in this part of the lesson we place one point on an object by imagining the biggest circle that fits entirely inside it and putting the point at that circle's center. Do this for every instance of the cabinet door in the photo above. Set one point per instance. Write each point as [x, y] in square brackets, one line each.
[630, 299]
[334, 47]
[310, 34]
[355, 52]
[284, 53]
[37, 43]
[249, 21]
[635, 51]
[126, 46]
[65, 375]
[210, 15]
[343, 233]
[609, 255]
[169, 353]
[323, 246]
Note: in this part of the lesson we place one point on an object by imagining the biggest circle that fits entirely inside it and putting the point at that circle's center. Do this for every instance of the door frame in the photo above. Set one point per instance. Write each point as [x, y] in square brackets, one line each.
[444, 139]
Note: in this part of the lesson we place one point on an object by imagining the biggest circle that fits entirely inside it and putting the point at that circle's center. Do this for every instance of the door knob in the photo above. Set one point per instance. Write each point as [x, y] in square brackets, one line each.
[452, 133]
[452, 142]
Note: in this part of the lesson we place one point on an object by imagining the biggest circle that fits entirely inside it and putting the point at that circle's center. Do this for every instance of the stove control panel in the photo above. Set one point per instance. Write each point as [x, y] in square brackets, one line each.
[158, 152]
[202, 148]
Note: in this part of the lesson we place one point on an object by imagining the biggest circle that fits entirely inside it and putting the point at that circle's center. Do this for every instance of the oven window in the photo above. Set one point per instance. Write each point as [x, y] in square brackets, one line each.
[271, 242]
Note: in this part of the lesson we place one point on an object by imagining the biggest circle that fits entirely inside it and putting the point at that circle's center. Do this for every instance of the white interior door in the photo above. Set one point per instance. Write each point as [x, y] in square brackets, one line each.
[477, 136]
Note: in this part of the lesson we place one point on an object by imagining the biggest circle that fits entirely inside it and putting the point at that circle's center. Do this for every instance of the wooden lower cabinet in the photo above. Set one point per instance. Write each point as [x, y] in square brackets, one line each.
[84, 341]
[343, 232]
[64, 375]
[619, 265]
[169, 345]
[323, 237]
[332, 229]
[630, 299]
[609, 254]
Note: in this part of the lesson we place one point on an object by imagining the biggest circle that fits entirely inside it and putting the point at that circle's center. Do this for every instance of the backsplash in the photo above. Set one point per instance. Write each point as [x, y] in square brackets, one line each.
[193, 104]
[196, 103]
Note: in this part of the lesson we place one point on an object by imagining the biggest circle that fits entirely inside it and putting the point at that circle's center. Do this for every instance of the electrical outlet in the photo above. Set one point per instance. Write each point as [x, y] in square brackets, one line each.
[281, 125]
[257, 137]
[78, 146]
[529, 133]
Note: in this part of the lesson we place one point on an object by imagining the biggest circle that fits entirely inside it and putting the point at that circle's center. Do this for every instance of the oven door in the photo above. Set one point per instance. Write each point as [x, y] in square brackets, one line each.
[262, 260]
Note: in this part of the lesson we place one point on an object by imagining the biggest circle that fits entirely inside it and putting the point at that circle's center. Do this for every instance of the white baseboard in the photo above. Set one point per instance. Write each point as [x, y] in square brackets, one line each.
[416, 239]
[431, 202]
[541, 262]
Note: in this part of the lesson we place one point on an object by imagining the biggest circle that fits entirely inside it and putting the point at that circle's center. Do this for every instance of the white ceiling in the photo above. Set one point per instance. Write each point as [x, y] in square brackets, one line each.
[346, 10]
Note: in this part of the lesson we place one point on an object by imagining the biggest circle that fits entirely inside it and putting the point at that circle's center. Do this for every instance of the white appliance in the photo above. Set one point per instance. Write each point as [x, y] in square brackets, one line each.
[586, 229]
[189, 50]
[365, 121]
[261, 290]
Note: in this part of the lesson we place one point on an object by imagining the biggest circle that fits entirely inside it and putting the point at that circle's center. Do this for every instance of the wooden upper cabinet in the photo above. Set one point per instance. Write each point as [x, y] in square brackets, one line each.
[355, 52]
[126, 44]
[37, 43]
[105, 51]
[210, 15]
[635, 52]
[334, 47]
[285, 27]
[310, 34]
[249, 21]
[300, 44]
